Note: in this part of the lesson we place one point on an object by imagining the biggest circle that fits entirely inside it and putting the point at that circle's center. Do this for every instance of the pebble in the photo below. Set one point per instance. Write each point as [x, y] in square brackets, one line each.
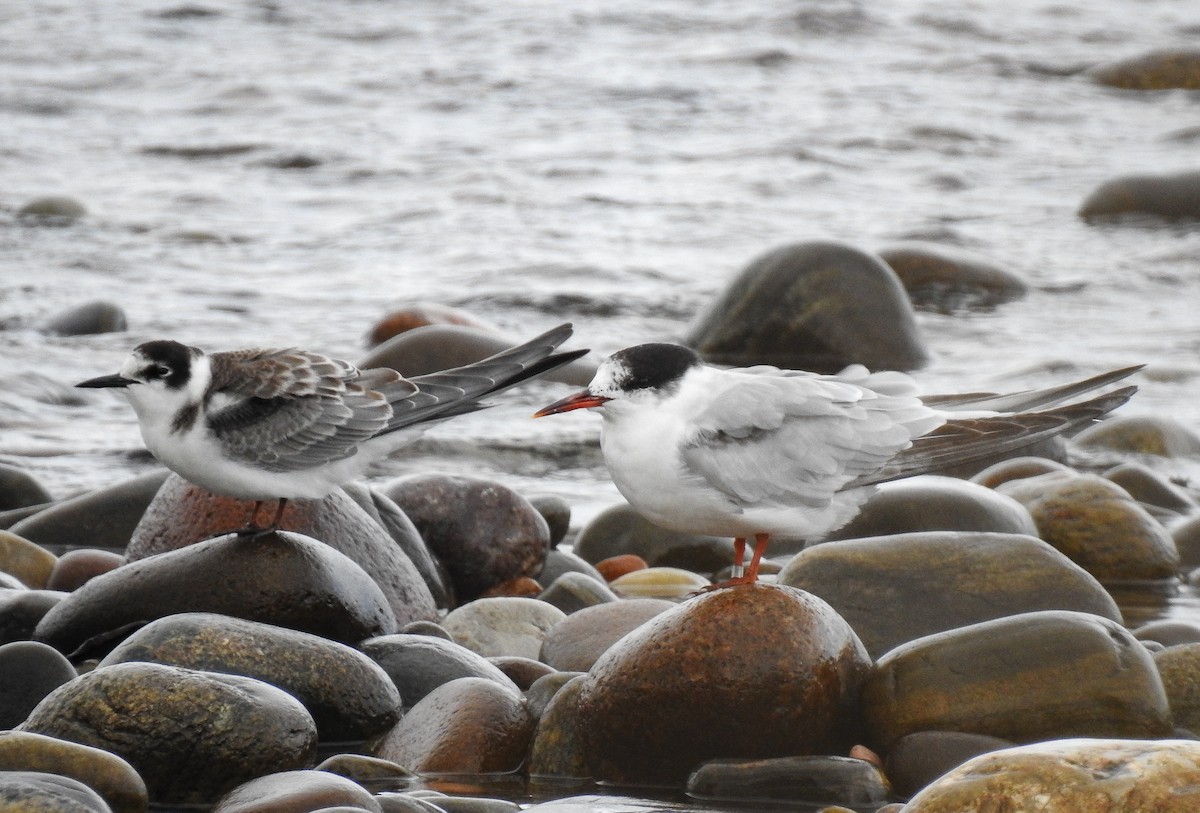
[421, 314]
[894, 589]
[1150, 488]
[237, 728]
[484, 533]
[1141, 434]
[1025, 677]
[296, 792]
[418, 664]
[1186, 536]
[1168, 632]
[559, 562]
[1071, 776]
[614, 567]
[466, 726]
[503, 626]
[109, 516]
[365, 770]
[88, 319]
[1179, 667]
[26, 561]
[919, 758]
[349, 696]
[659, 582]
[279, 578]
[574, 591]
[619, 530]
[577, 642]
[523, 672]
[76, 567]
[28, 672]
[804, 779]
[1098, 525]
[20, 489]
[110, 776]
[933, 503]
[434, 348]
[52, 210]
[558, 751]
[1156, 70]
[33, 792]
[946, 278]
[816, 306]
[780, 670]
[182, 514]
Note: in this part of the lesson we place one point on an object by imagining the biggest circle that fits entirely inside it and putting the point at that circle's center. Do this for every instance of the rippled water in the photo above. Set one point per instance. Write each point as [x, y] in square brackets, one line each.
[283, 173]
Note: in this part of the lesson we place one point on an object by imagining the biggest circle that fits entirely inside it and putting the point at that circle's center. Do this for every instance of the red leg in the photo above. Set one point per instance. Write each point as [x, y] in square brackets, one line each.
[760, 547]
[751, 575]
[252, 522]
[739, 553]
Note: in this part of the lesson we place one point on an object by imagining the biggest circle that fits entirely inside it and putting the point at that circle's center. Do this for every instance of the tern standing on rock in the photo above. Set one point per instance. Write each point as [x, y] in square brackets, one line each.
[758, 451]
[289, 424]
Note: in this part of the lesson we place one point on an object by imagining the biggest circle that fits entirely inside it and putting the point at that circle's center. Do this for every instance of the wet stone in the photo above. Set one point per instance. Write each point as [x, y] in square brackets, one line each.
[543, 690]
[88, 319]
[296, 792]
[815, 306]
[1098, 525]
[940, 581]
[22, 610]
[558, 749]
[26, 561]
[110, 776]
[1071, 776]
[32, 792]
[946, 278]
[503, 626]
[365, 770]
[466, 726]
[19, 488]
[349, 696]
[192, 736]
[931, 503]
[572, 592]
[521, 671]
[109, 516]
[1157, 70]
[280, 578]
[810, 779]
[614, 567]
[418, 664]
[1023, 678]
[28, 672]
[577, 642]
[183, 514]
[780, 670]
[1141, 434]
[1179, 667]
[921, 757]
[557, 513]
[76, 567]
[619, 530]
[483, 532]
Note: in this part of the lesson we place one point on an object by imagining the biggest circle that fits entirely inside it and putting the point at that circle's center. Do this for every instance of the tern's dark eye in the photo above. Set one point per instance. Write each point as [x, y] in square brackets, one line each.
[157, 371]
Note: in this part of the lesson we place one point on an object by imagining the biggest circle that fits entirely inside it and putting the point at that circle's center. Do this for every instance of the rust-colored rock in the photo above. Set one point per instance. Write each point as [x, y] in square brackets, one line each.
[614, 567]
[755, 671]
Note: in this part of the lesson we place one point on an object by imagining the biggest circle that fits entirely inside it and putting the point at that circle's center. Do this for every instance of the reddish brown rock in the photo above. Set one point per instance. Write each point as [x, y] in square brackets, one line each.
[421, 314]
[75, 567]
[577, 642]
[756, 671]
[614, 567]
[296, 792]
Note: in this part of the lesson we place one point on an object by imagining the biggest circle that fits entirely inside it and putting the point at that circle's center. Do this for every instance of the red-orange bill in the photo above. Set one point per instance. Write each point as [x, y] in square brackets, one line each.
[580, 400]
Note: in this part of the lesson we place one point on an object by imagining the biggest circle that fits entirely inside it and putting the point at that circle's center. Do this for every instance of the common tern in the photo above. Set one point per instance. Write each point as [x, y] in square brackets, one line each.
[759, 452]
[280, 424]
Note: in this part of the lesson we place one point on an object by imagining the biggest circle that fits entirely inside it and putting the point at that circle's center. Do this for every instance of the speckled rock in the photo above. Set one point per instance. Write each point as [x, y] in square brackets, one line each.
[281, 578]
[1179, 667]
[110, 776]
[469, 725]
[919, 758]
[893, 589]
[1141, 434]
[1098, 525]
[22, 610]
[931, 503]
[483, 532]
[182, 514]
[1157, 70]
[947, 278]
[781, 673]
[236, 728]
[19, 489]
[296, 792]
[30, 563]
[557, 749]
[1024, 678]
[432, 348]
[87, 319]
[812, 306]
[418, 664]
[1072, 776]
[76, 567]
[619, 530]
[576, 643]
[28, 672]
[104, 518]
[810, 779]
[503, 626]
[32, 792]
[349, 696]
[572, 592]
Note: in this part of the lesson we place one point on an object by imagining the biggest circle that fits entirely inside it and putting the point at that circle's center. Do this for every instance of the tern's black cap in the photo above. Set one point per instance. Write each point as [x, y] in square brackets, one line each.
[648, 366]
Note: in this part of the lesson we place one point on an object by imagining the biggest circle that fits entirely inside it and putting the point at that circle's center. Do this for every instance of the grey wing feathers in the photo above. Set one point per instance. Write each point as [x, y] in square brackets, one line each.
[794, 442]
[459, 390]
[1029, 399]
[967, 440]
